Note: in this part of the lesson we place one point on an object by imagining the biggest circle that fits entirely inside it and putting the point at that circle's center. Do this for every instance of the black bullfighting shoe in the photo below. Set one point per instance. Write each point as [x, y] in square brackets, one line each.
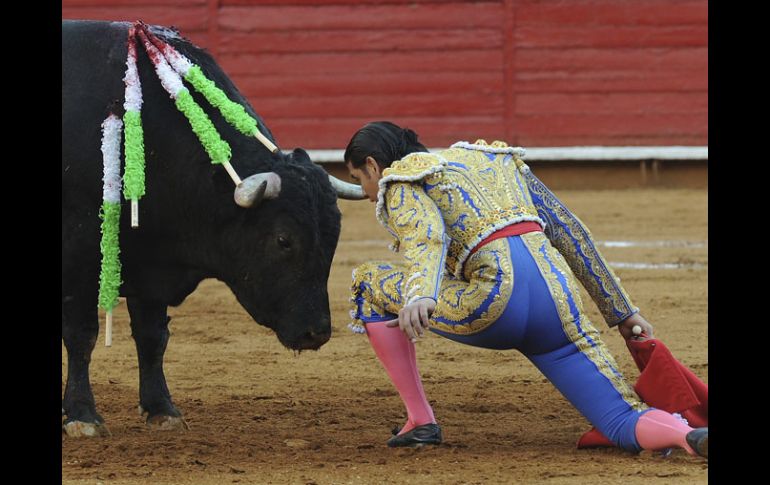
[427, 434]
[698, 439]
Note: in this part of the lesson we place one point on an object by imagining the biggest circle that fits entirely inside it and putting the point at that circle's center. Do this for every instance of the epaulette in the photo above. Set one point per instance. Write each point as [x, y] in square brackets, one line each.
[413, 167]
[496, 146]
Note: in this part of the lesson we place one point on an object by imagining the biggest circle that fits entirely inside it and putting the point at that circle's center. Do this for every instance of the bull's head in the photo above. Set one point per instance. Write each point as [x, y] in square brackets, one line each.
[293, 226]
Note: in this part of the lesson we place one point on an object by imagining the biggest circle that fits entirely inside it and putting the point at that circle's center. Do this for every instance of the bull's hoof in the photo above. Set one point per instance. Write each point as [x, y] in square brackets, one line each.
[167, 423]
[80, 429]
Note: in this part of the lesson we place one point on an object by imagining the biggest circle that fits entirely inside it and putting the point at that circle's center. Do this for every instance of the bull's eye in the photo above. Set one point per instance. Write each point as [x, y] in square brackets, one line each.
[283, 242]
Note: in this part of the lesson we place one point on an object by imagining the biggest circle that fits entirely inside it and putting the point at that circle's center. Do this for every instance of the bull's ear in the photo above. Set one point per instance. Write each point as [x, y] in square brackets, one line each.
[251, 191]
[300, 155]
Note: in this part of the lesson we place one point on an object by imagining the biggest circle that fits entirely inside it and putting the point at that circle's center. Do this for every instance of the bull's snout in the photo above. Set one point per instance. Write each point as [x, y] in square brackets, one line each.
[314, 339]
[308, 338]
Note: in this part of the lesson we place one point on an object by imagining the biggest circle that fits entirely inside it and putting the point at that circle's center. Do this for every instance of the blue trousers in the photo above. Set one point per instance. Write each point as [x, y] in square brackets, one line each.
[544, 319]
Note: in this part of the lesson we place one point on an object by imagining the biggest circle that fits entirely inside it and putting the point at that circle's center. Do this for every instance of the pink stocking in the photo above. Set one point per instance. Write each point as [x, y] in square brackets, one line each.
[658, 429]
[396, 353]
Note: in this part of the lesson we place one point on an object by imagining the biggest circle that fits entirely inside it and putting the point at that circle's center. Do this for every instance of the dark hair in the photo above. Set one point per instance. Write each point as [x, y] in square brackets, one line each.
[384, 141]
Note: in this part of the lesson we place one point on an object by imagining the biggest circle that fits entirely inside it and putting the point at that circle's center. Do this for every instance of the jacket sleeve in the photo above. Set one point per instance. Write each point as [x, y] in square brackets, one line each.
[573, 240]
[418, 225]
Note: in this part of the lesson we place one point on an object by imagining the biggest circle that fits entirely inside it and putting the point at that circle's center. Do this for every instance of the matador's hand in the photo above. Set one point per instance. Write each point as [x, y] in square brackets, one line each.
[413, 318]
[626, 326]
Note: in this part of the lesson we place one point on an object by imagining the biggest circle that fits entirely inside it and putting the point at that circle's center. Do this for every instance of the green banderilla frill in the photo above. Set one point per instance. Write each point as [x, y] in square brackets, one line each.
[109, 279]
[233, 112]
[216, 147]
[133, 177]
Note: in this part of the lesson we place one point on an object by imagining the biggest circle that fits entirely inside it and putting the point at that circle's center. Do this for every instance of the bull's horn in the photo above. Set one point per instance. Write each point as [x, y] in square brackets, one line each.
[347, 190]
[251, 191]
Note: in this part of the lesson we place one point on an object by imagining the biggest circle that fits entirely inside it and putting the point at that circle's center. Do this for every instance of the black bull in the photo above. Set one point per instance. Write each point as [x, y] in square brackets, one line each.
[274, 257]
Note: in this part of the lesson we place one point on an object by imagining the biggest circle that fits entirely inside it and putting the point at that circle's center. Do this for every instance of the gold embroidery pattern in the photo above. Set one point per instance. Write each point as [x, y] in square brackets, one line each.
[413, 166]
[377, 286]
[477, 190]
[419, 226]
[474, 303]
[550, 262]
[463, 306]
[478, 193]
[571, 237]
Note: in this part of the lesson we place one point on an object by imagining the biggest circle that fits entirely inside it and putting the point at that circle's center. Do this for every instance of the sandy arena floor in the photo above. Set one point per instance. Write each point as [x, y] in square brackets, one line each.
[258, 413]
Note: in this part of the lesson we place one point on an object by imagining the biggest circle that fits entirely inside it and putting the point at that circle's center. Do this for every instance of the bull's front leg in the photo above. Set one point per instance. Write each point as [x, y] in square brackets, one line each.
[149, 327]
[80, 327]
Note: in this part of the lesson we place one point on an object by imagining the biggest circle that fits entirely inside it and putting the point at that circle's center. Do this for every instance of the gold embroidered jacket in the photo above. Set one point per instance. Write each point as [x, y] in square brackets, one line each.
[439, 206]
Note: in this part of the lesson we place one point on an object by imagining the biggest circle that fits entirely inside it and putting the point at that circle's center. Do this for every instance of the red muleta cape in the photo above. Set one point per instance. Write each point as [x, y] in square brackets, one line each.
[664, 383]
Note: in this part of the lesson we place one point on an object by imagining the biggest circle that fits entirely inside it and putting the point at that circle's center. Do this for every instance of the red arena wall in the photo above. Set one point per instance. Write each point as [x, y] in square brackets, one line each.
[531, 72]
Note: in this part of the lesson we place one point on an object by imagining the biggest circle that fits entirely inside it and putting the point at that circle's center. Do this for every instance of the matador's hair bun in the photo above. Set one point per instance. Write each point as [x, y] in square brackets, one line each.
[386, 142]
